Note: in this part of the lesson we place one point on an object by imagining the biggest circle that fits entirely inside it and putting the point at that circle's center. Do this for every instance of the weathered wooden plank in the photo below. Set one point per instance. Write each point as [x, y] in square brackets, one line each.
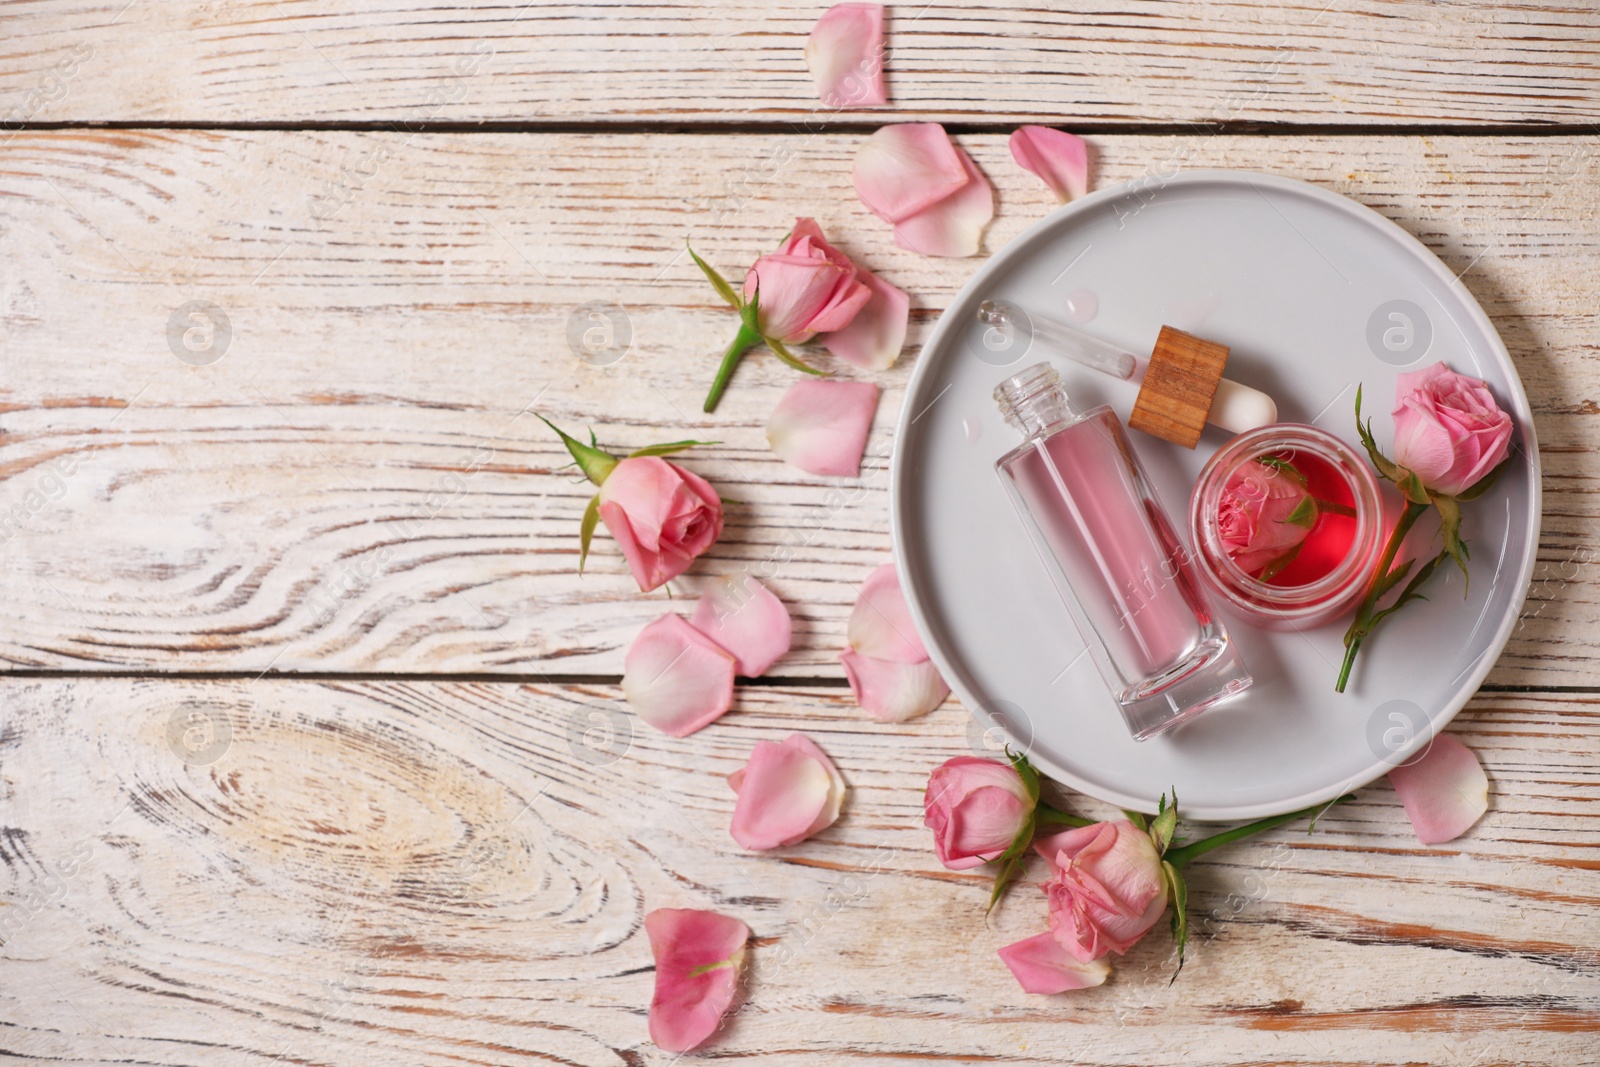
[355, 484]
[384, 872]
[1138, 61]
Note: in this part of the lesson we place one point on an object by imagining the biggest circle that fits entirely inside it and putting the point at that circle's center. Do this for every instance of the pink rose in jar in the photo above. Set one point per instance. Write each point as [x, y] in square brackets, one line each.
[1264, 516]
[1448, 430]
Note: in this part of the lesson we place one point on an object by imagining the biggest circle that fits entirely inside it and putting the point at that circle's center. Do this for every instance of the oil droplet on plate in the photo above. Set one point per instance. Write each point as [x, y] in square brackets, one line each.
[1190, 314]
[972, 428]
[1082, 306]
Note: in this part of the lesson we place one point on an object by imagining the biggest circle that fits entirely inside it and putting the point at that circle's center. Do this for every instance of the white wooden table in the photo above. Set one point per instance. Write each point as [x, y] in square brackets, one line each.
[424, 832]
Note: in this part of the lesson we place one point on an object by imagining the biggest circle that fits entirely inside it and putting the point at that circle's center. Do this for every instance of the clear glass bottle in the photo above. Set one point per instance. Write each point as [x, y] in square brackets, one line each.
[1113, 556]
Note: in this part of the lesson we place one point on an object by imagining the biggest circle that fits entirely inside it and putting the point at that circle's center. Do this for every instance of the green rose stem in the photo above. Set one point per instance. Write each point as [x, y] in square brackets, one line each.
[1184, 853]
[749, 334]
[748, 337]
[1367, 615]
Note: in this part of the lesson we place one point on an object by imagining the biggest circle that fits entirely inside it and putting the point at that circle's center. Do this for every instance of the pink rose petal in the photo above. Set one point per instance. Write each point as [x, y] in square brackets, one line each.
[1444, 792]
[821, 425]
[890, 691]
[676, 678]
[1061, 159]
[904, 168]
[953, 226]
[698, 957]
[845, 56]
[787, 792]
[881, 624]
[742, 616]
[876, 335]
[1042, 965]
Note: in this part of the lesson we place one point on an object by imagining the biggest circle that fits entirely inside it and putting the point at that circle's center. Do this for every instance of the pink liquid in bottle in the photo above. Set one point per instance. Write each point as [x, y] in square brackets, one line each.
[1117, 549]
[1112, 553]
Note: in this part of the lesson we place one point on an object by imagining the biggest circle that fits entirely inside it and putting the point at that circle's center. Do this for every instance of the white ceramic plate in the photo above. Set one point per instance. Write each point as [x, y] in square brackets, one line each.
[1315, 294]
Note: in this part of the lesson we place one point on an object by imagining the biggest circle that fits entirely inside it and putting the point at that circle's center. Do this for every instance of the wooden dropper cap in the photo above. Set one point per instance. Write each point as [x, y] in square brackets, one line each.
[1179, 386]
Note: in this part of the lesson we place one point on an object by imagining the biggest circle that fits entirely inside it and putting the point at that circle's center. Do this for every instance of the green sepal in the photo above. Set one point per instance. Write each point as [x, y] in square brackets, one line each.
[591, 518]
[1178, 901]
[788, 357]
[1138, 818]
[718, 282]
[1411, 487]
[1283, 466]
[1015, 856]
[1275, 568]
[1450, 528]
[1473, 492]
[1304, 514]
[1386, 466]
[596, 464]
[1025, 771]
[668, 449]
[1165, 824]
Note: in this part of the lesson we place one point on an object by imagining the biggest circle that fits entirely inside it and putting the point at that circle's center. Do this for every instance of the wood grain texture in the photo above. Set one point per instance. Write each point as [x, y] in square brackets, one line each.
[384, 872]
[1417, 62]
[357, 485]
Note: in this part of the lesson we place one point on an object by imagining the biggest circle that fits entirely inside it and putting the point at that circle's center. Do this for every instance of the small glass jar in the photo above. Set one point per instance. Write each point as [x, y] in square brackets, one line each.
[1287, 525]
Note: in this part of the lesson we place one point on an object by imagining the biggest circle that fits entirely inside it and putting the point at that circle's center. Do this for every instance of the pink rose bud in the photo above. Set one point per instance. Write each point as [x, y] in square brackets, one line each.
[975, 808]
[1264, 515]
[807, 287]
[1448, 430]
[1105, 888]
[661, 515]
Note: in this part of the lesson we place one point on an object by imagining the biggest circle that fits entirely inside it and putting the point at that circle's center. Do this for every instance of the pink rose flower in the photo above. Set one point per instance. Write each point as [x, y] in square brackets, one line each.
[807, 287]
[662, 516]
[975, 807]
[1448, 430]
[1264, 515]
[1105, 888]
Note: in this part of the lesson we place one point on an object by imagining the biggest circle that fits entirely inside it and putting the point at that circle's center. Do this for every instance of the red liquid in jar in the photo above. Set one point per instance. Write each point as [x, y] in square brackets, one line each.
[1329, 541]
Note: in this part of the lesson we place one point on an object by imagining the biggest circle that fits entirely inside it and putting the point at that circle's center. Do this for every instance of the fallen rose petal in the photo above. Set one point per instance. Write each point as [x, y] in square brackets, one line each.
[1061, 159]
[787, 792]
[904, 168]
[953, 226]
[891, 691]
[676, 678]
[743, 617]
[821, 425]
[698, 956]
[1042, 965]
[845, 56]
[881, 624]
[876, 335]
[1444, 792]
